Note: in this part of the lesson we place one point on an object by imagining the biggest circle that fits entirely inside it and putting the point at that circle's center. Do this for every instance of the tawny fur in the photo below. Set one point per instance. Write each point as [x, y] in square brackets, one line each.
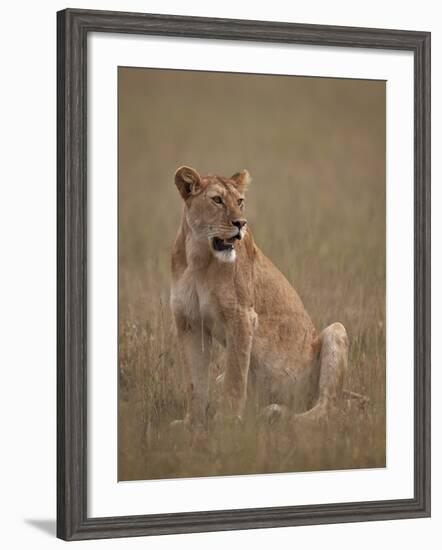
[240, 298]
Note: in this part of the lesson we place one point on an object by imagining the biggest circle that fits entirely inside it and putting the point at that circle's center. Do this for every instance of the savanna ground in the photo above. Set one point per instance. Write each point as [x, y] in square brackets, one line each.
[316, 151]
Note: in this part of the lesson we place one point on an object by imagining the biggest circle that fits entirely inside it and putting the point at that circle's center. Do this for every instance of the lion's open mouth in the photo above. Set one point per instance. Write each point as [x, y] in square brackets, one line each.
[224, 244]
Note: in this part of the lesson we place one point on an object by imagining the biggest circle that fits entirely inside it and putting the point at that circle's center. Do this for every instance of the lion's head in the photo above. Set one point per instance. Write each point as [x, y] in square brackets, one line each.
[214, 209]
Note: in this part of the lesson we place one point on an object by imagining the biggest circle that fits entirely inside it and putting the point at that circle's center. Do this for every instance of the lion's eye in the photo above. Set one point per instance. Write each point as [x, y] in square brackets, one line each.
[218, 200]
[241, 202]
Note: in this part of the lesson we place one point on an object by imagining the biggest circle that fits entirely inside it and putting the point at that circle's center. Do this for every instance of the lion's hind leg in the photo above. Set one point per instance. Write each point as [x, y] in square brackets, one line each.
[333, 363]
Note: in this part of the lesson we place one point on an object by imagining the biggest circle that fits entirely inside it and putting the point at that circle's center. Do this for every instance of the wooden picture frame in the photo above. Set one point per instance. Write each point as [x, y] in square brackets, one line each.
[73, 27]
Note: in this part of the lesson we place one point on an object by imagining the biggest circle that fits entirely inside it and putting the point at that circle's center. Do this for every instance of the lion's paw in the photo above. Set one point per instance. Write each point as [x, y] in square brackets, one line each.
[274, 414]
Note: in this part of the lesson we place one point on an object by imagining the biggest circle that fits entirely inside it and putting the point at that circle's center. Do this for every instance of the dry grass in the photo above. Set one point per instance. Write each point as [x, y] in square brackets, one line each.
[316, 150]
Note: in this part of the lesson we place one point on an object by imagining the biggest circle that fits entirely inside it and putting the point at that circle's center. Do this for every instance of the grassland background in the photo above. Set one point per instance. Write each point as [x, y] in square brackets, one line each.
[316, 151]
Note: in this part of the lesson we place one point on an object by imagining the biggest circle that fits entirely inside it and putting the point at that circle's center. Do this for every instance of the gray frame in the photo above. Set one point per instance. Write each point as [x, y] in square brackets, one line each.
[73, 27]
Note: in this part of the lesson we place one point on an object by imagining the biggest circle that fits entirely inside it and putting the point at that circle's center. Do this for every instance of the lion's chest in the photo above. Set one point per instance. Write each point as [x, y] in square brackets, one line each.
[198, 304]
[184, 298]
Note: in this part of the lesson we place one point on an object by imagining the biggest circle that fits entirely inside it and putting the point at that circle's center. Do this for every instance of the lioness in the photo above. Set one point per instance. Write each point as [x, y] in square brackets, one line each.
[225, 288]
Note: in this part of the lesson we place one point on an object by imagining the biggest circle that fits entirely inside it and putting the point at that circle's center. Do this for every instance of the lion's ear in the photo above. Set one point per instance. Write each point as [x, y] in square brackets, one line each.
[242, 180]
[188, 181]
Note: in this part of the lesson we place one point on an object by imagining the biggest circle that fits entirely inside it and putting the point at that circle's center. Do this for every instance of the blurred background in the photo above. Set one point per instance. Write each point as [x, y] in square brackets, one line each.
[315, 148]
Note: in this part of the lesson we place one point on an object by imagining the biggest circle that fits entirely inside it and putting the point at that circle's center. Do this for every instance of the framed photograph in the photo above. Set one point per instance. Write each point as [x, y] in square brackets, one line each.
[243, 274]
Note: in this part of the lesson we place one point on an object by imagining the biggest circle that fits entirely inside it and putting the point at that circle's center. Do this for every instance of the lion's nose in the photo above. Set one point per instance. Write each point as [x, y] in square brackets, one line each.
[239, 223]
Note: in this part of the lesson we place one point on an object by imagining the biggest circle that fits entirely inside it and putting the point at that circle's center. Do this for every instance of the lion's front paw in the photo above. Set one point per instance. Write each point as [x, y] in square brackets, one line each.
[222, 420]
[178, 423]
[179, 432]
[274, 414]
[228, 433]
[191, 434]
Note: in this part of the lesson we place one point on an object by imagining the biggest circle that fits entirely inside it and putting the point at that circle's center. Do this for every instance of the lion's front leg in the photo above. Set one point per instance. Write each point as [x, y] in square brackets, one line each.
[239, 336]
[195, 349]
